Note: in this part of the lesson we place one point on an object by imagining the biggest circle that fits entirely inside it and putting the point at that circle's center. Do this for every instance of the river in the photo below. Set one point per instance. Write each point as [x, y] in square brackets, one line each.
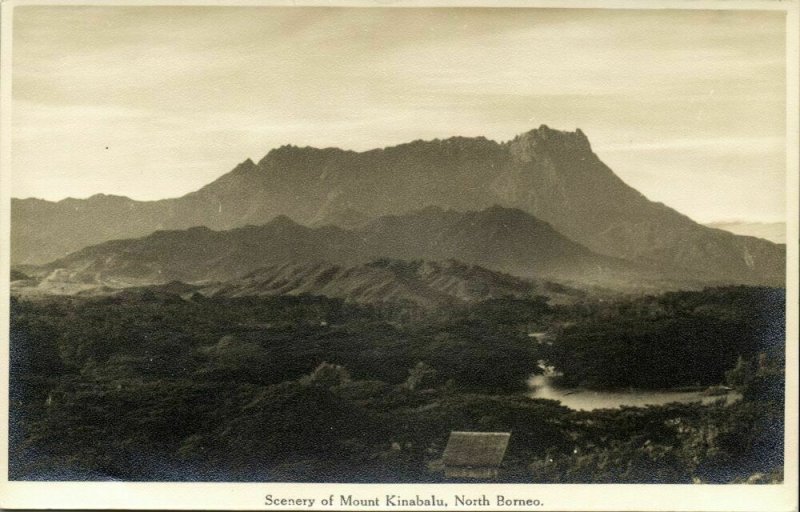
[588, 400]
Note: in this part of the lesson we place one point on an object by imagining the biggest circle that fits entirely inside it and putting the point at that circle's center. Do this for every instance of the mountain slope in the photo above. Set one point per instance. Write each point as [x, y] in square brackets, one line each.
[421, 282]
[500, 239]
[550, 174]
[201, 254]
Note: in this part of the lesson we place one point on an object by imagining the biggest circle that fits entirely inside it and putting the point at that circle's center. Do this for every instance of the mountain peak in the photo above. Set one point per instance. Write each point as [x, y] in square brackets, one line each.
[510, 218]
[289, 152]
[497, 209]
[546, 136]
[104, 198]
[502, 213]
[544, 142]
[245, 167]
[282, 220]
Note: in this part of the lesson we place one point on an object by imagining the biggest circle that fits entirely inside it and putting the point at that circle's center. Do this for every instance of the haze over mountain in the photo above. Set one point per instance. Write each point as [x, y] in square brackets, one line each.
[500, 239]
[550, 174]
[425, 283]
[772, 231]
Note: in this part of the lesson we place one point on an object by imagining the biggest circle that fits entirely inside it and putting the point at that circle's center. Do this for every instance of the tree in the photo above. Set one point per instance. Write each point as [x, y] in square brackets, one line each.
[420, 375]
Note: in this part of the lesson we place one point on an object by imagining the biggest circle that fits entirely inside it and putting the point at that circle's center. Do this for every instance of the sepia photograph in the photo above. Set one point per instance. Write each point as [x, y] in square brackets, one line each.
[399, 255]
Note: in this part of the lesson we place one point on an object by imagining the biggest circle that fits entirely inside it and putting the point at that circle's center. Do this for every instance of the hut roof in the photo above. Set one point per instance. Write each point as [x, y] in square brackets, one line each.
[476, 449]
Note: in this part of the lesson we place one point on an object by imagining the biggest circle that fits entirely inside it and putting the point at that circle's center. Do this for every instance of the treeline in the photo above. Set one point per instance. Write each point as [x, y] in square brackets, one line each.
[267, 340]
[676, 339]
[148, 385]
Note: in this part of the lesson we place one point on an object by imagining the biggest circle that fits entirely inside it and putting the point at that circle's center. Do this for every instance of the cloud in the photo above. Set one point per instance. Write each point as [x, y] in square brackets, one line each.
[181, 94]
[729, 146]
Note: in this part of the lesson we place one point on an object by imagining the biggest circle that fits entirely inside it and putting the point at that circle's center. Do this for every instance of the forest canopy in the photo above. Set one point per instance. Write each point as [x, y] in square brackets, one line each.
[148, 385]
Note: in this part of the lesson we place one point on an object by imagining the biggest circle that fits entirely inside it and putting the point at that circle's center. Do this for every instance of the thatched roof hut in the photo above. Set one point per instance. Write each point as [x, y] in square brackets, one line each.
[474, 454]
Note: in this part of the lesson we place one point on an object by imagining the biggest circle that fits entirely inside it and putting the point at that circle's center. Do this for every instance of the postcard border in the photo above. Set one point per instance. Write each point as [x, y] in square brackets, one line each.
[250, 496]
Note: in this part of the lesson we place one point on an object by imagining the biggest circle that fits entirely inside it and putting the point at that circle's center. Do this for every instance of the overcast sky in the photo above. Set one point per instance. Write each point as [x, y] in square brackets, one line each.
[151, 102]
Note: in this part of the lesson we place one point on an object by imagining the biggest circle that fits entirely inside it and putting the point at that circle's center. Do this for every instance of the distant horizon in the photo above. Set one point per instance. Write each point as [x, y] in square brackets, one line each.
[154, 102]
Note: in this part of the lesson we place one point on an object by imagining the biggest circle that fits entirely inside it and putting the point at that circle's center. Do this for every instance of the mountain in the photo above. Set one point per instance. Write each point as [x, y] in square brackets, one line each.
[772, 231]
[504, 239]
[551, 174]
[201, 254]
[501, 239]
[421, 282]
[424, 283]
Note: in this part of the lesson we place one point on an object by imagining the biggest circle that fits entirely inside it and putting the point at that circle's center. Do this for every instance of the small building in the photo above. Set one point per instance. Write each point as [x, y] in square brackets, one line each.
[474, 454]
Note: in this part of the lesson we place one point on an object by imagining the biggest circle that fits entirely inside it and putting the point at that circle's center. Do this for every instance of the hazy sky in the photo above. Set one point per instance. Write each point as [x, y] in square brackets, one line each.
[151, 102]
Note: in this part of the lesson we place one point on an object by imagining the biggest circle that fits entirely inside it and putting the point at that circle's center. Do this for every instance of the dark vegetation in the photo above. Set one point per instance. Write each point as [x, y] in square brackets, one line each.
[149, 385]
[677, 339]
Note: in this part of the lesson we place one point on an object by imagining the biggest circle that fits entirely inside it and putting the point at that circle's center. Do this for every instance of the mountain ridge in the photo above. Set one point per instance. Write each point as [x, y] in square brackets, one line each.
[499, 239]
[551, 174]
[429, 284]
[426, 283]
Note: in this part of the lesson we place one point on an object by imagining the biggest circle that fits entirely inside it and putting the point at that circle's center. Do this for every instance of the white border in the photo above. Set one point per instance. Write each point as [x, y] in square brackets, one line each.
[250, 496]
